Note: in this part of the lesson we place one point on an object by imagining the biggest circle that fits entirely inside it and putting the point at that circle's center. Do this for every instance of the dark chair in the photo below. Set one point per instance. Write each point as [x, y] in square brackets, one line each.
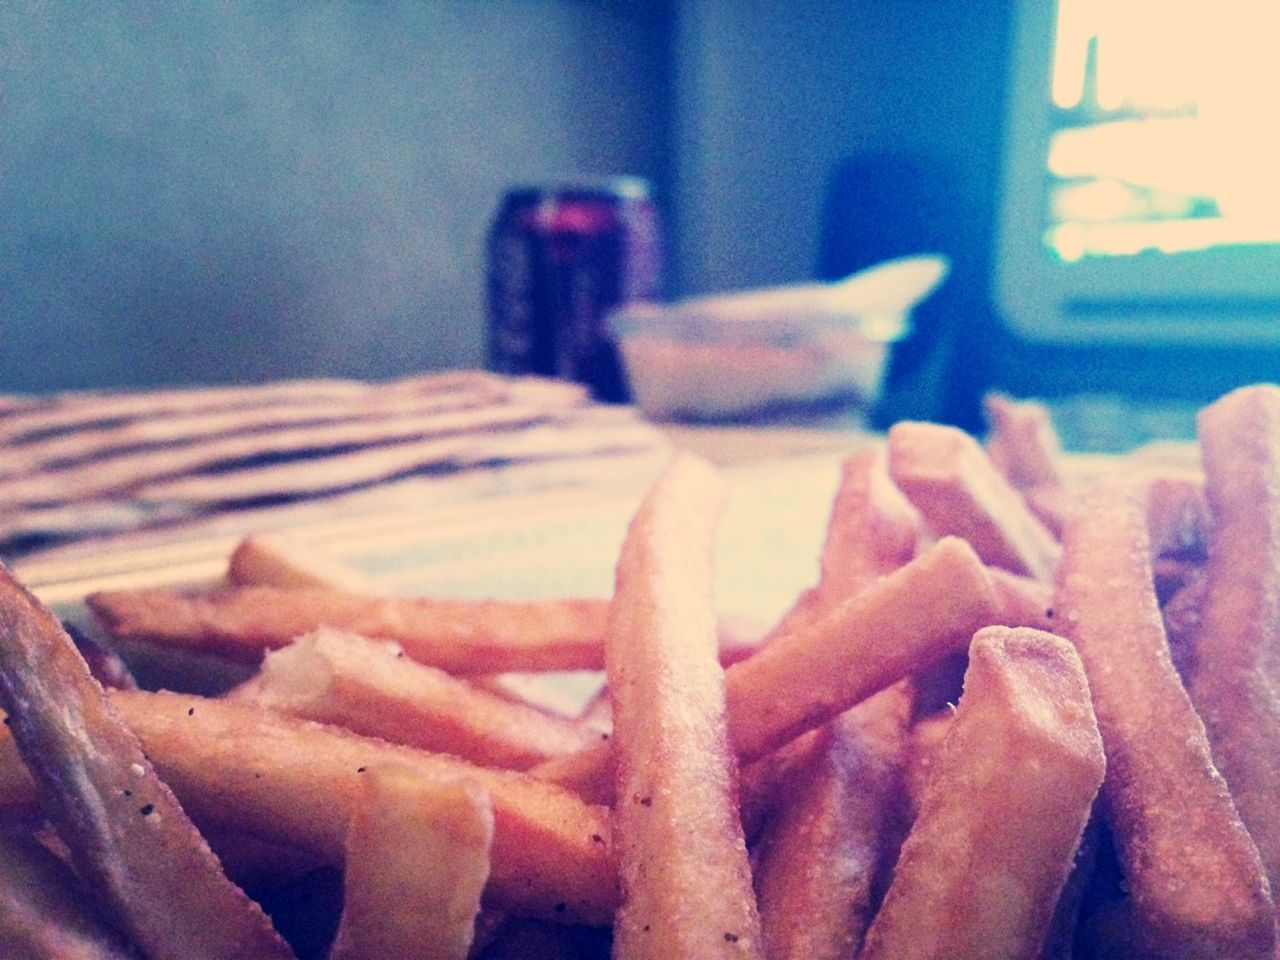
[884, 205]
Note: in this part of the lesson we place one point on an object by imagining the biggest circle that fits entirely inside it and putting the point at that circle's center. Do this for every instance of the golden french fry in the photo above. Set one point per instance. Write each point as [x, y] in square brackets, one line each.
[371, 688]
[588, 773]
[296, 781]
[1235, 680]
[1024, 602]
[276, 560]
[824, 853]
[765, 784]
[417, 861]
[1181, 616]
[948, 477]
[873, 529]
[127, 835]
[928, 734]
[1060, 941]
[980, 873]
[1052, 505]
[1022, 443]
[682, 859]
[461, 636]
[1020, 601]
[1195, 880]
[44, 909]
[905, 622]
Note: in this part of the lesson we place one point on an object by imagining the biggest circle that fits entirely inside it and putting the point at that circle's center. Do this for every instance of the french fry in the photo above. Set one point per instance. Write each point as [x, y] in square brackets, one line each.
[928, 733]
[276, 560]
[1195, 879]
[1022, 443]
[1052, 505]
[1023, 602]
[1000, 821]
[296, 781]
[417, 861]
[1235, 680]
[17, 791]
[371, 688]
[128, 837]
[1020, 602]
[588, 773]
[44, 908]
[765, 784]
[824, 854]
[242, 623]
[461, 636]
[1181, 616]
[1060, 941]
[873, 529]
[682, 859]
[906, 622]
[948, 477]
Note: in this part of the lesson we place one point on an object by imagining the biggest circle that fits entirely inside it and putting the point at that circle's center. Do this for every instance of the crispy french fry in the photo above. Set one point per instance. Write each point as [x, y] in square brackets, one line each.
[461, 636]
[1022, 443]
[873, 530]
[1235, 680]
[1060, 941]
[297, 781]
[1181, 616]
[1196, 883]
[928, 733]
[765, 784]
[587, 773]
[905, 622]
[276, 560]
[824, 854]
[682, 859]
[1024, 602]
[417, 861]
[999, 824]
[371, 688]
[1021, 602]
[44, 909]
[1052, 505]
[948, 477]
[128, 837]
[17, 791]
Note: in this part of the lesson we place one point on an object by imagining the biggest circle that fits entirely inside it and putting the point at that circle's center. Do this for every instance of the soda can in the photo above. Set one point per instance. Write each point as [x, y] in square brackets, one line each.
[560, 259]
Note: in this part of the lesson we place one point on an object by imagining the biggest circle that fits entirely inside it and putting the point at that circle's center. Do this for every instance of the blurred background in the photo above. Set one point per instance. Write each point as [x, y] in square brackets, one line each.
[238, 191]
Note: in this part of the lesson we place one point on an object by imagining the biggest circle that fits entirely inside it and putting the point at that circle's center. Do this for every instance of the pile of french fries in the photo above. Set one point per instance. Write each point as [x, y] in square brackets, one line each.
[1021, 714]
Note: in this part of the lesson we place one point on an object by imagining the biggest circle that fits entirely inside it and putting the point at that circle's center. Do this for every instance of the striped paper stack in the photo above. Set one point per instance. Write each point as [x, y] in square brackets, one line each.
[81, 464]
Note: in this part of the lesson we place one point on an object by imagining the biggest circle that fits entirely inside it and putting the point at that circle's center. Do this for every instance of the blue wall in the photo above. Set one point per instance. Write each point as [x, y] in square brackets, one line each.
[234, 191]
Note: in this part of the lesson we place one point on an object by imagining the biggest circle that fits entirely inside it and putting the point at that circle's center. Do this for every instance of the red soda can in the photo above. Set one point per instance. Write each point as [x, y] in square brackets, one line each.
[560, 258]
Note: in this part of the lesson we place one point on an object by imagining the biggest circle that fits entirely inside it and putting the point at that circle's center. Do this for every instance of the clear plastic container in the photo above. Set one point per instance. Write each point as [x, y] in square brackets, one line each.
[778, 351]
